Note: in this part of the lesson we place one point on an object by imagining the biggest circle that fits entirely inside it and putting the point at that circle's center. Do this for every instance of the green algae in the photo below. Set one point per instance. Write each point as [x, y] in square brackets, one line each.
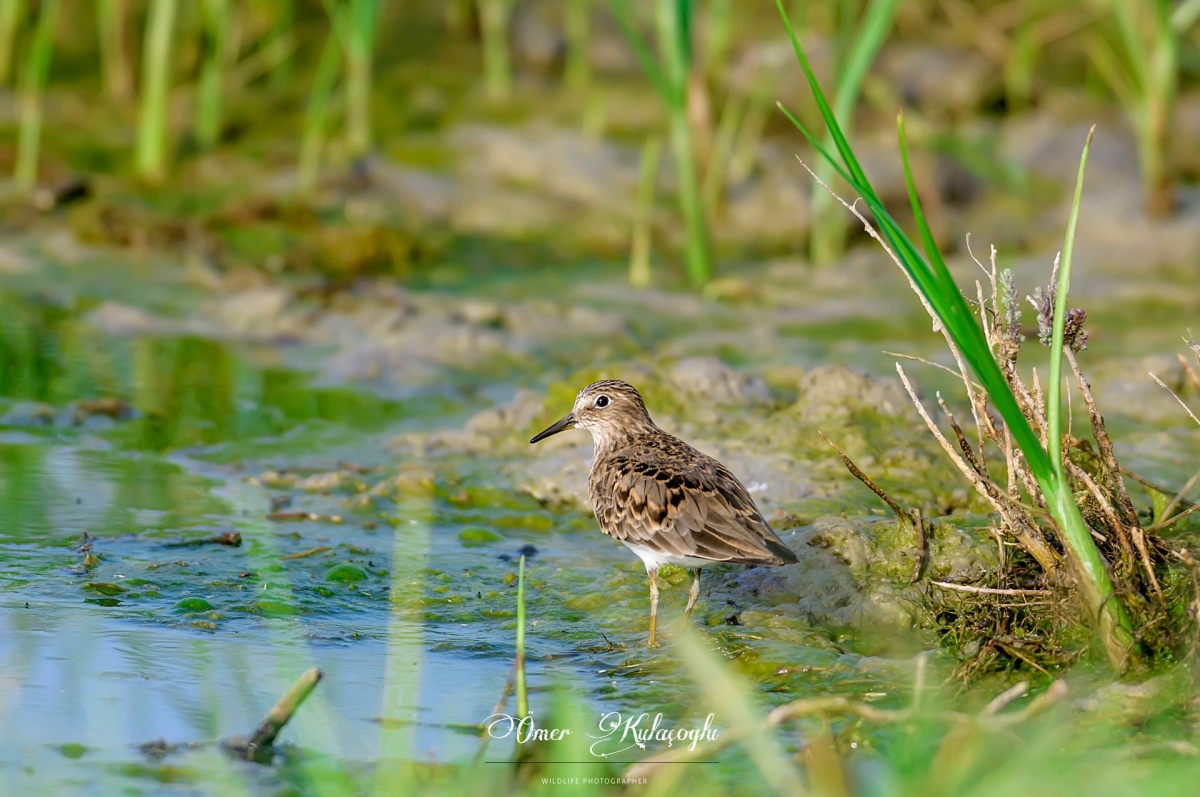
[346, 574]
[477, 535]
[193, 605]
[105, 588]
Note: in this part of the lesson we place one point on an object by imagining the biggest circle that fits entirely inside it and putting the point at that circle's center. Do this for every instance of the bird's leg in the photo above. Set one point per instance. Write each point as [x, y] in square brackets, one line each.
[653, 641]
[695, 593]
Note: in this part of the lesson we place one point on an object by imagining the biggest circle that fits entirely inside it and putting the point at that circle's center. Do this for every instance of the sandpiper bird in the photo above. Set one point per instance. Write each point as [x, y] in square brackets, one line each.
[661, 498]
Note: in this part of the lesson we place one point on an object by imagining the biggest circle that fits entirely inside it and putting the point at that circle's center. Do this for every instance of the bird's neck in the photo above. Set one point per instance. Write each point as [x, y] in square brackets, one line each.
[609, 440]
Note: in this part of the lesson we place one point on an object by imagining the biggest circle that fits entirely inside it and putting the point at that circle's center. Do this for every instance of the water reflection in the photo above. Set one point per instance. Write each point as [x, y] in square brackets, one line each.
[81, 678]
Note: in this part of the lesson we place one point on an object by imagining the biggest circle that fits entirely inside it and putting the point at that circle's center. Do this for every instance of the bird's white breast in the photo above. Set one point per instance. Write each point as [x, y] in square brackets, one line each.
[653, 559]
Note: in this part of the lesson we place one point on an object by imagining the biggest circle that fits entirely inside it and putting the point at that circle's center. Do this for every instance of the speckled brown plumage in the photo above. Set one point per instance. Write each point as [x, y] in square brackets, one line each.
[666, 501]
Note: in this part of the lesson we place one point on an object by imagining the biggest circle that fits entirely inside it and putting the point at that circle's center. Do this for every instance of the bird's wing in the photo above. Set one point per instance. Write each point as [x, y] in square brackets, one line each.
[703, 511]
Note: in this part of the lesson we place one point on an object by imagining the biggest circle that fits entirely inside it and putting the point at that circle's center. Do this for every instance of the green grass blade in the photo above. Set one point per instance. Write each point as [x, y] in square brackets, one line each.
[155, 86]
[828, 233]
[522, 688]
[359, 50]
[623, 14]
[316, 115]
[732, 700]
[843, 147]
[494, 19]
[1184, 16]
[33, 83]
[1054, 387]
[11, 14]
[215, 19]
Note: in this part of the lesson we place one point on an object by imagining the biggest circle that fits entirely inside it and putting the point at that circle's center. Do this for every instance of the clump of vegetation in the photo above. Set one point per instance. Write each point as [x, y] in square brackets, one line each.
[1063, 503]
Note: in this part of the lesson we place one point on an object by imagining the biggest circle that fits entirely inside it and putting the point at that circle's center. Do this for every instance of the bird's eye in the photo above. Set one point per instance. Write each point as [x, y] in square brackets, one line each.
[602, 402]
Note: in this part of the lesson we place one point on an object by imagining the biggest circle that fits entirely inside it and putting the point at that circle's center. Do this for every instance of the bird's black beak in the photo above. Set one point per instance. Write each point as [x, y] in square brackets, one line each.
[561, 426]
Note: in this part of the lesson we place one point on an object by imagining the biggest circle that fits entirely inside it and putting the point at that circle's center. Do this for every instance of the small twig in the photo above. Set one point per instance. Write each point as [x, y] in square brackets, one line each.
[259, 746]
[1168, 521]
[1107, 454]
[281, 713]
[1026, 534]
[988, 590]
[963, 444]
[910, 519]
[1001, 701]
[309, 552]
[233, 539]
[1053, 694]
[788, 712]
[1015, 652]
[1191, 373]
[923, 361]
[484, 736]
[1177, 499]
[1105, 507]
[922, 545]
[900, 514]
[1186, 409]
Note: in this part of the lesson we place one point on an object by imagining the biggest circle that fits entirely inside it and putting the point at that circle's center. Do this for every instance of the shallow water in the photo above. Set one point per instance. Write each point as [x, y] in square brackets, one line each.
[125, 623]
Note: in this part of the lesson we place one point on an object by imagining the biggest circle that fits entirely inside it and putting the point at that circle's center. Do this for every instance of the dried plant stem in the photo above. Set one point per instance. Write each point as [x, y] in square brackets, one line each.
[989, 718]
[1186, 408]
[988, 590]
[1104, 442]
[1026, 533]
[1177, 499]
[910, 520]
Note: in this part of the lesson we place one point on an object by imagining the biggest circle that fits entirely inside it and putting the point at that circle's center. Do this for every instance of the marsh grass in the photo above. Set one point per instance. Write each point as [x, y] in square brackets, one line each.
[112, 23]
[35, 68]
[359, 33]
[11, 14]
[153, 111]
[317, 112]
[214, 25]
[1031, 437]
[641, 248]
[519, 664]
[494, 19]
[859, 48]
[577, 72]
[671, 70]
[1141, 64]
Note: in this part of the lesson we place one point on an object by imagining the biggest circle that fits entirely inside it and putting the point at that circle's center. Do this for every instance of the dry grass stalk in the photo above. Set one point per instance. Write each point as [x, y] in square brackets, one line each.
[1012, 491]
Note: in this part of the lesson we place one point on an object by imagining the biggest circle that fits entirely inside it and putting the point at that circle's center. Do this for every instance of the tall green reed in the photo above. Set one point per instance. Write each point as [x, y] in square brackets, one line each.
[864, 40]
[316, 114]
[33, 83]
[112, 28]
[153, 112]
[935, 284]
[494, 18]
[214, 21]
[359, 41]
[522, 686]
[576, 28]
[11, 14]
[1142, 69]
[643, 223]
[735, 143]
[350, 44]
[669, 72]
[282, 38]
